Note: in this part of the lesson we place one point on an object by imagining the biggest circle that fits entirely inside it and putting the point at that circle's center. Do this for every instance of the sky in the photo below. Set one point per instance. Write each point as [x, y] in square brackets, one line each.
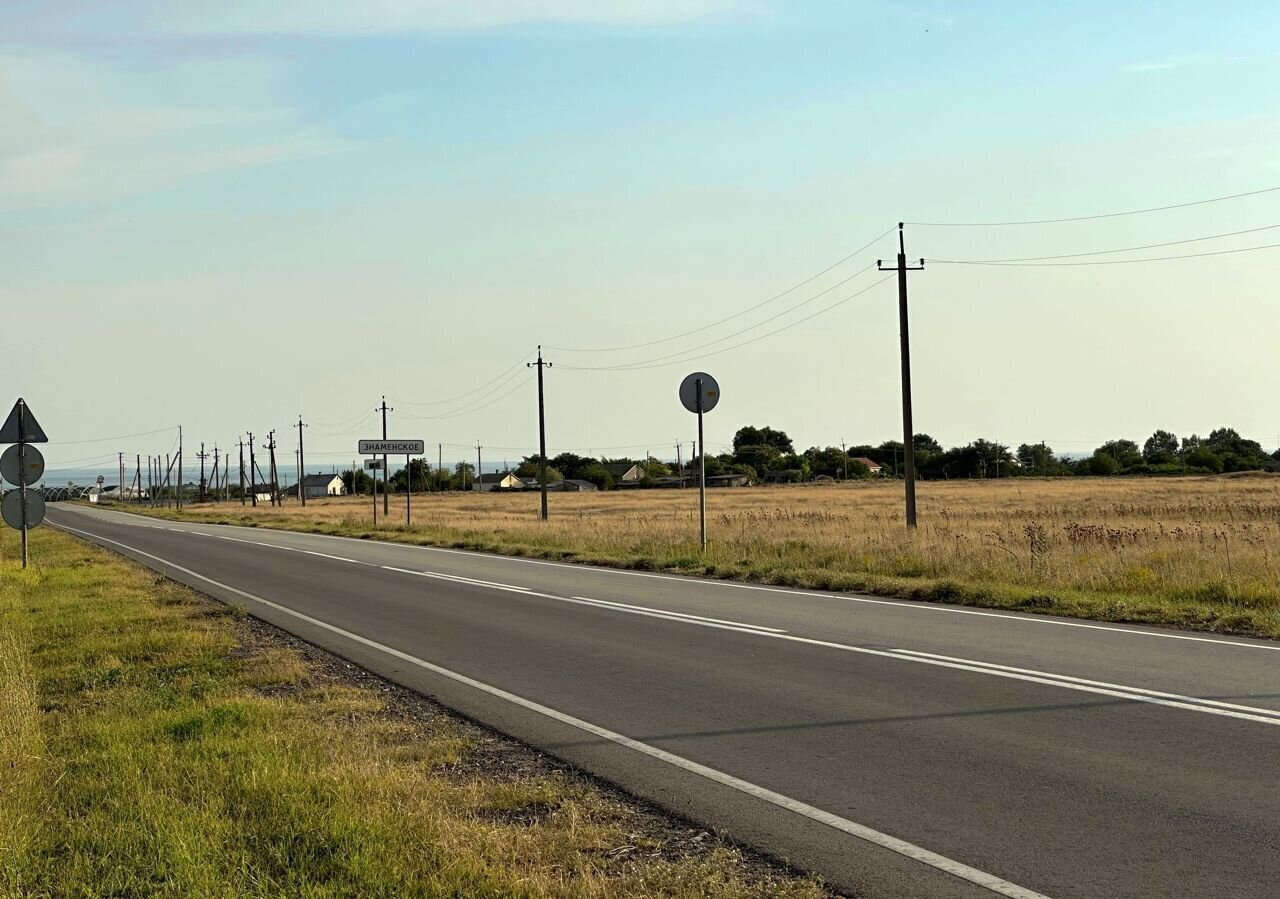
[226, 216]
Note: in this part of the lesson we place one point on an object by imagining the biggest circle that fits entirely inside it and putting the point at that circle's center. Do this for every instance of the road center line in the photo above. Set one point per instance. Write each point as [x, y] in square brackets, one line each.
[902, 847]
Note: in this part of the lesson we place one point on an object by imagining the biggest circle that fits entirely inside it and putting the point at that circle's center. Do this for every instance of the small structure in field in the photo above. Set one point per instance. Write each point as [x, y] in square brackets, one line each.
[625, 474]
[497, 480]
[871, 464]
[577, 485]
[319, 485]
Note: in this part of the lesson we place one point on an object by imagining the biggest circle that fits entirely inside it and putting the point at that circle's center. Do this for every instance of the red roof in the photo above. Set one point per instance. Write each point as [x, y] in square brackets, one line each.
[870, 463]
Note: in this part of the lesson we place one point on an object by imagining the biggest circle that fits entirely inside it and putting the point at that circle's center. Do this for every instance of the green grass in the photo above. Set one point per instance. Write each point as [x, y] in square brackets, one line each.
[151, 745]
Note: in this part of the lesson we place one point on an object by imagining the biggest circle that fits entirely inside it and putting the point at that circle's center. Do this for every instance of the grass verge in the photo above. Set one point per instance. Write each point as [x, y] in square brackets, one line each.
[157, 743]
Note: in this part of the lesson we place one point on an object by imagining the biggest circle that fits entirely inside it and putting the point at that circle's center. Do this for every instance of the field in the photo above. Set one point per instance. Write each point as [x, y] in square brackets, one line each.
[157, 743]
[1196, 552]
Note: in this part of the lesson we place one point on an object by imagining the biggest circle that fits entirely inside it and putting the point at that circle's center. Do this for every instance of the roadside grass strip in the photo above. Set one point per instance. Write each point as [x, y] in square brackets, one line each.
[155, 743]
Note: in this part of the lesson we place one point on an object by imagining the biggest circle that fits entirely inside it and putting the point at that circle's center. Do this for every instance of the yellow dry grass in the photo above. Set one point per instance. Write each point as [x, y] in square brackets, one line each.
[1195, 551]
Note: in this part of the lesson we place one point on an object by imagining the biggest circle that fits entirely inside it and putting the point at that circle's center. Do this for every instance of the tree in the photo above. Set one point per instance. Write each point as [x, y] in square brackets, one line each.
[760, 456]
[363, 483]
[1204, 458]
[420, 480]
[1102, 463]
[858, 470]
[596, 473]
[1125, 452]
[752, 436]
[652, 468]
[1161, 448]
[531, 467]
[830, 461]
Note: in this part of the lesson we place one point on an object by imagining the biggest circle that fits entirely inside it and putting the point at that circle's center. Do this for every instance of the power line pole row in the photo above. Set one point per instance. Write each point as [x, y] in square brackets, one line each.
[908, 442]
[542, 431]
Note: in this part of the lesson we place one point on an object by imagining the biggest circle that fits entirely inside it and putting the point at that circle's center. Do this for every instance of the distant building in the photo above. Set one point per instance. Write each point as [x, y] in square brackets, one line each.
[875, 466]
[318, 485]
[261, 492]
[624, 473]
[576, 485]
[497, 480]
[726, 480]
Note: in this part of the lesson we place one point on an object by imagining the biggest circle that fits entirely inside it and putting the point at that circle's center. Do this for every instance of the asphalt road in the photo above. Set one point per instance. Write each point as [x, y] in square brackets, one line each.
[897, 749]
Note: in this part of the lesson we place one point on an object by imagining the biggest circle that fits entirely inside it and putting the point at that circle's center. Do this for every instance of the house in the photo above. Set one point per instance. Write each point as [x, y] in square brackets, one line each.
[314, 485]
[261, 492]
[497, 480]
[576, 485]
[870, 463]
[624, 473]
[726, 480]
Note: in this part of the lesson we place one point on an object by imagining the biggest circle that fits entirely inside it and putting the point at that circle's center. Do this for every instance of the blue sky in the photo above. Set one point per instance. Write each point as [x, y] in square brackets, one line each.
[233, 214]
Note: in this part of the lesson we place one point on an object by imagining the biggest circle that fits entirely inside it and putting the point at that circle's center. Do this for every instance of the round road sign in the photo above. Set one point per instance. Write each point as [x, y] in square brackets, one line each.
[11, 508]
[32, 459]
[689, 392]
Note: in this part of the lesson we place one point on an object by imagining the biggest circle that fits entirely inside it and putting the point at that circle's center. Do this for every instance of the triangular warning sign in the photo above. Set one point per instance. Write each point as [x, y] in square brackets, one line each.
[31, 432]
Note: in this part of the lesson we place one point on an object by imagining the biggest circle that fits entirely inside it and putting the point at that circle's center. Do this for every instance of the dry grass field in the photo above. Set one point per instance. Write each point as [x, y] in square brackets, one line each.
[1196, 552]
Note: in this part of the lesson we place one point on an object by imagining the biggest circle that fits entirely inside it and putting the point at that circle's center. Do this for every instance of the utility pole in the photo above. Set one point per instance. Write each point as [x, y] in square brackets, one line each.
[679, 465]
[270, 447]
[178, 492]
[479, 471]
[302, 465]
[137, 464]
[217, 484]
[844, 455]
[226, 477]
[202, 455]
[542, 430]
[908, 444]
[253, 467]
[121, 464]
[439, 465]
[386, 510]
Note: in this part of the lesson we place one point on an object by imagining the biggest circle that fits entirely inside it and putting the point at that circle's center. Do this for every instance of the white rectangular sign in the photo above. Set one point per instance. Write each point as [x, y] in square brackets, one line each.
[393, 447]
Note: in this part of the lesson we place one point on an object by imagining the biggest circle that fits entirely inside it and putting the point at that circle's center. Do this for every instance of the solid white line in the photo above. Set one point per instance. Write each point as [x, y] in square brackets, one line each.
[902, 847]
[904, 605]
[628, 607]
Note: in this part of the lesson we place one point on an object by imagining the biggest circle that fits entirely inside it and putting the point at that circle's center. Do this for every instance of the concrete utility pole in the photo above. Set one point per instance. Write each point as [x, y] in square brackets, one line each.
[270, 447]
[386, 508]
[202, 455]
[302, 465]
[479, 471]
[253, 468]
[679, 465]
[908, 444]
[121, 466]
[439, 465]
[542, 430]
[178, 492]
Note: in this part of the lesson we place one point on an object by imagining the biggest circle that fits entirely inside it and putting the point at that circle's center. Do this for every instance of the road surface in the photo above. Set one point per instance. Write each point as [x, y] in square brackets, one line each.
[897, 749]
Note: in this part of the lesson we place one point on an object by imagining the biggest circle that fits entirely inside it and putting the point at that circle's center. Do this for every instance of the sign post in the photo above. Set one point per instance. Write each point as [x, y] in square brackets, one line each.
[374, 465]
[23, 511]
[699, 393]
[382, 448]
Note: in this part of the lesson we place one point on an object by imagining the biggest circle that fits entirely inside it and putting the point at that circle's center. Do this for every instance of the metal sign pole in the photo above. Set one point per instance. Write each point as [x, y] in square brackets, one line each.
[375, 497]
[702, 476]
[22, 473]
[408, 490]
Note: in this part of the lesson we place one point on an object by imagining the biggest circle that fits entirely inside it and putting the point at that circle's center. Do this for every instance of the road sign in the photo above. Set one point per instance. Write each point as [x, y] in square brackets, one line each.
[11, 509]
[32, 461]
[373, 464]
[393, 447]
[30, 432]
[689, 392]
[101, 480]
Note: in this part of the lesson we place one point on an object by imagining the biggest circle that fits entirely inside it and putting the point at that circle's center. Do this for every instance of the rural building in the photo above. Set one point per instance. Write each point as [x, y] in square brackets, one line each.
[725, 480]
[497, 480]
[315, 485]
[624, 473]
[870, 463]
[261, 492]
[576, 485]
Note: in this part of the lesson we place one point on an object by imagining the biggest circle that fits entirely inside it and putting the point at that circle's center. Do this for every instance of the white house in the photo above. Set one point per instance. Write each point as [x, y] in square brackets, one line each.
[870, 463]
[318, 485]
[625, 472]
[497, 480]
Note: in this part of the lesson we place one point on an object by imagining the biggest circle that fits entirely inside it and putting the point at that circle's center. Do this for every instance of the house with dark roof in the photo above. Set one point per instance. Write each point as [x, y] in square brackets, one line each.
[319, 485]
[497, 480]
[625, 474]
[577, 485]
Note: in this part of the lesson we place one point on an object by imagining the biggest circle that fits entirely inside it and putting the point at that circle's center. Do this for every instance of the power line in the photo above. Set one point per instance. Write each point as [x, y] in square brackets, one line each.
[799, 321]
[739, 333]
[1104, 215]
[119, 437]
[1268, 246]
[467, 411]
[1149, 246]
[518, 366]
[777, 296]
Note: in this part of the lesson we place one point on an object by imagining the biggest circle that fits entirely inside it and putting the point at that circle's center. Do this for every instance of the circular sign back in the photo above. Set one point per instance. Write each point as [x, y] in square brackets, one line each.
[33, 461]
[689, 392]
[11, 509]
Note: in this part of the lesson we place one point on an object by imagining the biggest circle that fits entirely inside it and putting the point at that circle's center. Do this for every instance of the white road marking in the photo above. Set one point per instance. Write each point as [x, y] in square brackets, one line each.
[627, 607]
[902, 847]
[904, 605]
